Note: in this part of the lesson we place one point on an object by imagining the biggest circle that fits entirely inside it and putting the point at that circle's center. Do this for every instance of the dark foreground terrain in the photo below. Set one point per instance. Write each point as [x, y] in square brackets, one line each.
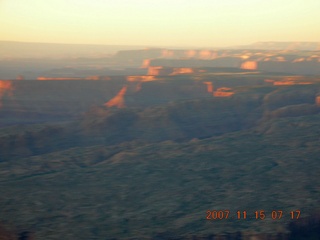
[152, 169]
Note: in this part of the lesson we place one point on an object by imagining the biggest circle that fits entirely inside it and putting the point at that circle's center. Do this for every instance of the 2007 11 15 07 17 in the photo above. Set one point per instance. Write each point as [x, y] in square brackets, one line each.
[258, 214]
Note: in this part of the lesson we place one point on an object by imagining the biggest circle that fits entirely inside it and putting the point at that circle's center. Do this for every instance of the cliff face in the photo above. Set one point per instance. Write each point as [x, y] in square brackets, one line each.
[223, 92]
[40, 101]
[173, 66]
[280, 65]
[288, 60]
[232, 62]
[250, 65]
[179, 71]
[142, 78]
[118, 101]
[183, 66]
[209, 87]
[37, 101]
[159, 71]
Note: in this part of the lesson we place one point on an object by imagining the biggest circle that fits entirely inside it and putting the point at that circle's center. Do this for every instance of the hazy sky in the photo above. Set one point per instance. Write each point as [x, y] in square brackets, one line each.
[202, 23]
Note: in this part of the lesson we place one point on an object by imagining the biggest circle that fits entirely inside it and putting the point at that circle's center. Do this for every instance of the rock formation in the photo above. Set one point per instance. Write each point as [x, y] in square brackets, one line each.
[209, 87]
[118, 101]
[160, 71]
[250, 65]
[223, 92]
[179, 71]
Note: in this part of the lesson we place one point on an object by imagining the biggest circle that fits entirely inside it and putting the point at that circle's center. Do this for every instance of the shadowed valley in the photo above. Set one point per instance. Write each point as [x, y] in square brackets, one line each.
[145, 156]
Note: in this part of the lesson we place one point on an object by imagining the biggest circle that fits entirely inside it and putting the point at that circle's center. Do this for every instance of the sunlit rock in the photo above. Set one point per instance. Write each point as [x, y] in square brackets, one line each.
[118, 101]
[159, 71]
[223, 92]
[57, 78]
[250, 65]
[178, 71]
[209, 87]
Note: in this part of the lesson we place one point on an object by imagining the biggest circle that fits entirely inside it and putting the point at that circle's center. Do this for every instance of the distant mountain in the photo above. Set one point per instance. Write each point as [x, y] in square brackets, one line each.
[11, 49]
[302, 46]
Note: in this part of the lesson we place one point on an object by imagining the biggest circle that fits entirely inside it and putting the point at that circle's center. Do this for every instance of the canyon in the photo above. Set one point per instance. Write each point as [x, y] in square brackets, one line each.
[272, 57]
[138, 143]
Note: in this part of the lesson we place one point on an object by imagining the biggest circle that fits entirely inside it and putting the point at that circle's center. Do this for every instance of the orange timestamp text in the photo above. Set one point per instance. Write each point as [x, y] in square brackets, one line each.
[258, 214]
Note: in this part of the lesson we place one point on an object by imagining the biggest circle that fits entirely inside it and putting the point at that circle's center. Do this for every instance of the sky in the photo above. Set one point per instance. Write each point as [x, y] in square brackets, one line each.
[197, 23]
